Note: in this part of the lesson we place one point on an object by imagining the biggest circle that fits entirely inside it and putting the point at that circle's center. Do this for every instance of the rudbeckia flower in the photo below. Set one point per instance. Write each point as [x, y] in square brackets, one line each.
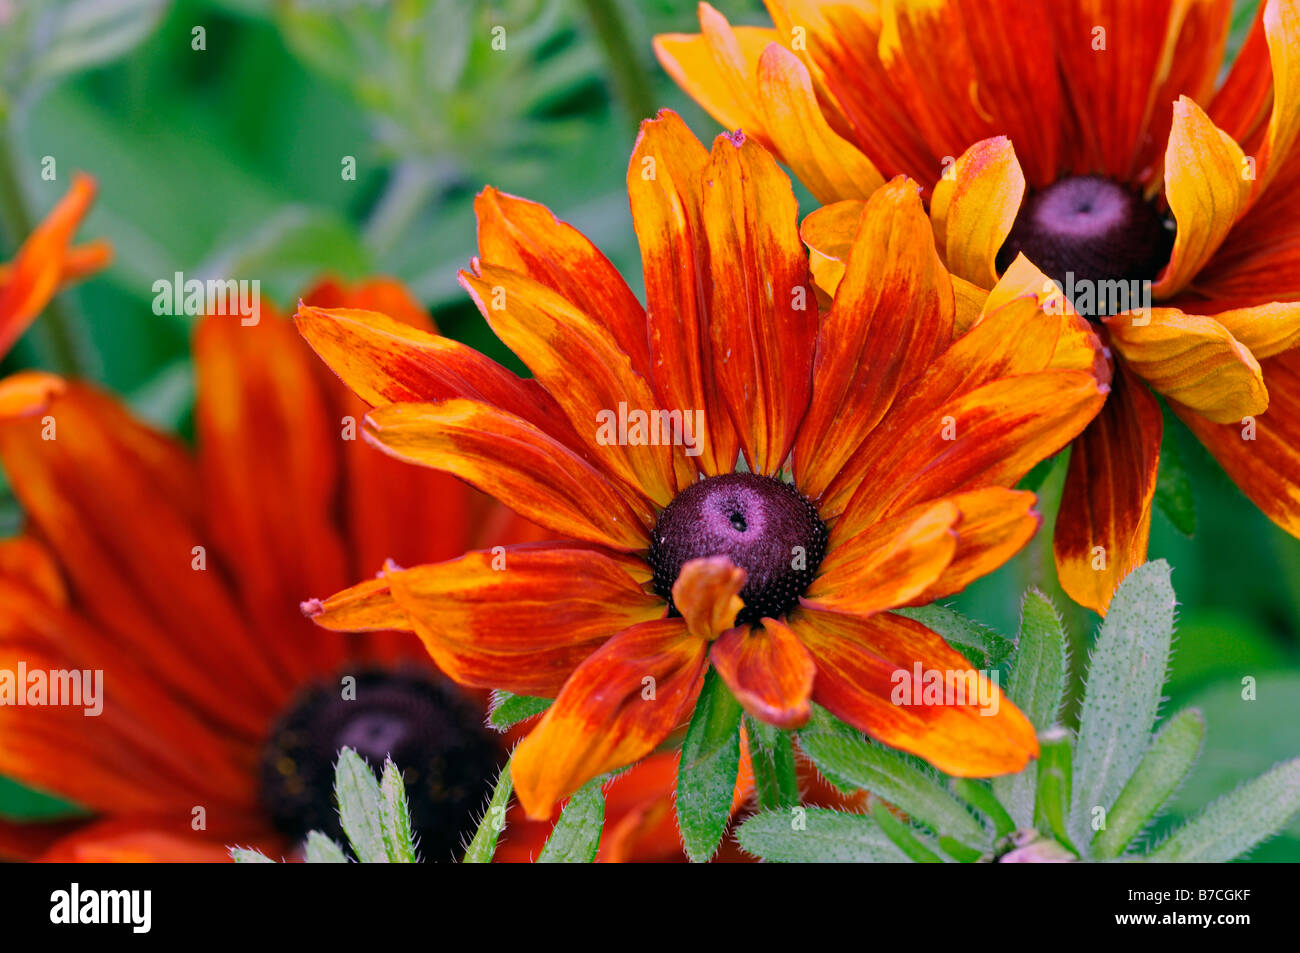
[47, 262]
[1133, 172]
[221, 709]
[741, 481]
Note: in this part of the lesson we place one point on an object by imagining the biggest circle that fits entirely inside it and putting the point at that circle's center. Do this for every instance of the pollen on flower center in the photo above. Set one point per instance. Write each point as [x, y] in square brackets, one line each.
[435, 737]
[765, 526]
[1085, 230]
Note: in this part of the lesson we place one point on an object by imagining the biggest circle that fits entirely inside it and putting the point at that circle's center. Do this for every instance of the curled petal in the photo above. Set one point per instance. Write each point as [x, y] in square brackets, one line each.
[975, 204]
[1191, 359]
[707, 594]
[768, 670]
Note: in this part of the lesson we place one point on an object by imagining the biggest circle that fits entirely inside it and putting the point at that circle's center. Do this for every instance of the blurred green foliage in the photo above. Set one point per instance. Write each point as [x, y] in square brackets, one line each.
[226, 160]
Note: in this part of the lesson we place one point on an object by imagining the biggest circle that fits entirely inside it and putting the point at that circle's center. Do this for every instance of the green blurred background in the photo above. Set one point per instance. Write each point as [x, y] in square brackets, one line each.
[226, 161]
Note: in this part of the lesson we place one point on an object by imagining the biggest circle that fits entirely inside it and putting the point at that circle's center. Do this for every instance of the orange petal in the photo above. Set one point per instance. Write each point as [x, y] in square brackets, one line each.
[866, 675]
[768, 670]
[892, 316]
[513, 461]
[1104, 520]
[366, 607]
[28, 393]
[991, 436]
[521, 618]
[391, 510]
[614, 709]
[1078, 347]
[553, 338]
[716, 67]
[975, 204]
[763, 314]
[1263, 455]
[1282, 28]
[161, 840]
[829, 233]
[387, 296]
[888, 564]
[664, 187]
[1191, 359]
[526, 237]
[384, 361]
[1111, 56]
[270, 448]
[1266, 329]
[1207, 188]
[87, 493]
[29, 562]
[995, 524]
[1013, 344]
[707, 594]
[967, 70]
[43, 262]
[830, 167]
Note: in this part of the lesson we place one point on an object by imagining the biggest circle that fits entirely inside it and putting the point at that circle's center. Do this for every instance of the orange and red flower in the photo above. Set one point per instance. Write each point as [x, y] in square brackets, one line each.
[179, 579]
[1111, 150]
[900, 436]
[47, 262]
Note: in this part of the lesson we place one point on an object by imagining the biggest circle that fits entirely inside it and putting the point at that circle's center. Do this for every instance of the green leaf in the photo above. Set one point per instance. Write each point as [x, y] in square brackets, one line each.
[576, 836]
[484, 845]
[903, 836]
[358, 796]
[87, 33]
[507, 709]
[981, 645]
[247, 855]
[852, 762]
[1162, 769]
[776, 780]
[1125, 680]
[816, 835]
[1173, 485]
[323, 850]
[706, 774]
[395, 816]
[1036, 685]
[1238, 821]
[1052, 806]
[981, 797]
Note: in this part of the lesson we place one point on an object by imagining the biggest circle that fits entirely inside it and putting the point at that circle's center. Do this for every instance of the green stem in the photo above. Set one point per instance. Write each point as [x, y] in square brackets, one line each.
[58, 324]
[776, 780]
[621, 57]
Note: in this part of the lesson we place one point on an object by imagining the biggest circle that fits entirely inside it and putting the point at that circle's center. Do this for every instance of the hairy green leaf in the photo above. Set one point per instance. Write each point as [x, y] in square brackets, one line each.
[484, 845]
[1238, 821]
[576, 836]
[816, 835]
[1162, 769]
[706, 774]
[1125, 679]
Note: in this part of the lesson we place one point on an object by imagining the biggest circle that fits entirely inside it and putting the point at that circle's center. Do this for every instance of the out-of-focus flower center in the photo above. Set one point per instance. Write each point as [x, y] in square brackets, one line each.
[1086, 230]
[765, 527]
[434, 736]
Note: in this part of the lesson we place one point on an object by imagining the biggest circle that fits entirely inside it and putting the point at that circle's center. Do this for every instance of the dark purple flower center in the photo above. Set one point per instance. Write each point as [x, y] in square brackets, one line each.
[1086, 230]
[436, 738]
[765, 526]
